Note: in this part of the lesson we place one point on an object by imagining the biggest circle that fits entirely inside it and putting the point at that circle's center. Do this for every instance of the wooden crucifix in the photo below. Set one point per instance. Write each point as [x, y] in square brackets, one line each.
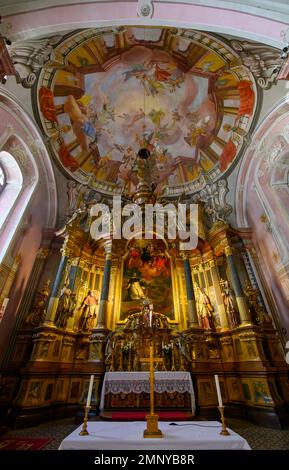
[152, 429]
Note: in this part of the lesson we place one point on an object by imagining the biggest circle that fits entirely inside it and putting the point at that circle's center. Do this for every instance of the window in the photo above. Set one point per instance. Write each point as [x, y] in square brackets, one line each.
[12, 203]
[11, 175]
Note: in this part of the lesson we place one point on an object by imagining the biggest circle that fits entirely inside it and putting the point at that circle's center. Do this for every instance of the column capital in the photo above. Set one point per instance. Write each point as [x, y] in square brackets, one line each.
[212, 263]
[74, 261]
[184, 255]
[65, 251]
[108, 249]
[229, 250]
[83, 264]
[42, 252]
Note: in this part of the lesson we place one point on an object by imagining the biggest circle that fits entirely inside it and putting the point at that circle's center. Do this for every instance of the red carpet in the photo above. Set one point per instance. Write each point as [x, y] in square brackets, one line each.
[140, 415]
[18, 443]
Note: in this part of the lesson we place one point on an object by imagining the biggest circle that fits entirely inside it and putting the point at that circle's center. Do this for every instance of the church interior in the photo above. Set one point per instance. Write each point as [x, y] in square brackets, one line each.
[122, 106]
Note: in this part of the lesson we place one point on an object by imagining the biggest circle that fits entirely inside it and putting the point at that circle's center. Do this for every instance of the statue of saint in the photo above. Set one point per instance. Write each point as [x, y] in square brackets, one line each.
[37, 315]
[65, 307]
[205, 310]
[88, 314]
[228, 299]
[252, 296]
[135, 288]
[72, 196]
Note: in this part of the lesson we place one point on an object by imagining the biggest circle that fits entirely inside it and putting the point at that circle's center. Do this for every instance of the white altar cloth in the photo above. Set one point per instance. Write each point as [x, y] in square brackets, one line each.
[138, 382]
[188, 435]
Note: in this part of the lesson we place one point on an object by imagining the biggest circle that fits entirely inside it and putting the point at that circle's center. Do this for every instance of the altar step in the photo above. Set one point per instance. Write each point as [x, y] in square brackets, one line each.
[141, 415]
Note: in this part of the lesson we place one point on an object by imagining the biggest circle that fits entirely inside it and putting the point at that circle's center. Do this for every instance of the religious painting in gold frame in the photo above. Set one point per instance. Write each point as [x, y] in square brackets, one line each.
[147, 274]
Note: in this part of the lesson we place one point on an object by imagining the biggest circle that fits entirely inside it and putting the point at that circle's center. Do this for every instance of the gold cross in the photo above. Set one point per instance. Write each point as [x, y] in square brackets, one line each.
[152, 419]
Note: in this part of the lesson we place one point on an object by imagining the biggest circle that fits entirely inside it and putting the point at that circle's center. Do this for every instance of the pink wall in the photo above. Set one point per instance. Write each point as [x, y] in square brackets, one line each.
[262, 202]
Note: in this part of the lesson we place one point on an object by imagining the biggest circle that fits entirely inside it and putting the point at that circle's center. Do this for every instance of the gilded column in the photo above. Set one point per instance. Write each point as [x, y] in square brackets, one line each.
[55, 292]
[192, 309]
[102, 311]
[241, 300]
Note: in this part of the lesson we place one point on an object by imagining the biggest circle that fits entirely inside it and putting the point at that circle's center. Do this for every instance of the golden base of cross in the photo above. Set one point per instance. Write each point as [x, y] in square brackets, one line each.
[152, 430]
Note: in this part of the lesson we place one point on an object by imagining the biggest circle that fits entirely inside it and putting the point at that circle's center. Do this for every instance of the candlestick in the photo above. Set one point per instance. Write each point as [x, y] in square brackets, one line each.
[89, 391]
[84, 431]
[218, 390]
[173, 357]
[224, 431]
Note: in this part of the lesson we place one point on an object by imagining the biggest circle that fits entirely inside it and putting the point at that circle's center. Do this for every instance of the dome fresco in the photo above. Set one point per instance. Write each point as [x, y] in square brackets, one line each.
[182, 94]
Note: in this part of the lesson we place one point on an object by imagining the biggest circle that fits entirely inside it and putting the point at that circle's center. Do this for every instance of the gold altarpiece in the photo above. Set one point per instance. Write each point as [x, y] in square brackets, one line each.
[216, 323]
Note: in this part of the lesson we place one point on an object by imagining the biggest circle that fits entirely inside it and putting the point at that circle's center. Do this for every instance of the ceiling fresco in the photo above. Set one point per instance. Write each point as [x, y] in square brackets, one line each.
[184, 95]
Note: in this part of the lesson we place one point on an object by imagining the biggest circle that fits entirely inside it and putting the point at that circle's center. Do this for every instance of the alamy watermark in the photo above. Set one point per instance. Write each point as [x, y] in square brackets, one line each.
[129, 221]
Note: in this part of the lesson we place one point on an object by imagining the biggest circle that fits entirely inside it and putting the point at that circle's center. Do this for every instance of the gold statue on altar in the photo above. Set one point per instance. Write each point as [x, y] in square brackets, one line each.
[125, 346]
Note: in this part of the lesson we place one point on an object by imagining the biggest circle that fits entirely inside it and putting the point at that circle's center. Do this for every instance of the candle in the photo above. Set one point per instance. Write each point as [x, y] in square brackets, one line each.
[90, 390]
[151, 318]
[218, 390]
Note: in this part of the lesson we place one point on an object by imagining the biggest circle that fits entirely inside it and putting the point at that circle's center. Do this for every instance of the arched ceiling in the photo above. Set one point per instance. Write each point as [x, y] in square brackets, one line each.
[260, 20]
[155, 75]
[185, 95]
[277, 10]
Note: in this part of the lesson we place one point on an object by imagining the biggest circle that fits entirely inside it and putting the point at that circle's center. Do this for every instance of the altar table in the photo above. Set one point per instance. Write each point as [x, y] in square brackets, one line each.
[188, 435]
[126, 383]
